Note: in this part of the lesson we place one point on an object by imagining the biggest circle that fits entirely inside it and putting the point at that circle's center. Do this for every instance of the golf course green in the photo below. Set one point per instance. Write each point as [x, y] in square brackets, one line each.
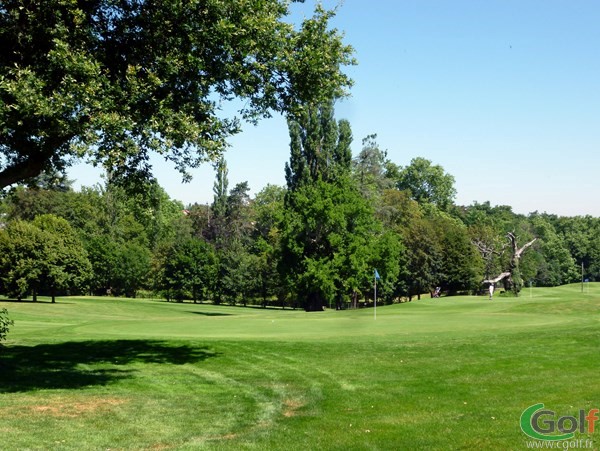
[448, 373]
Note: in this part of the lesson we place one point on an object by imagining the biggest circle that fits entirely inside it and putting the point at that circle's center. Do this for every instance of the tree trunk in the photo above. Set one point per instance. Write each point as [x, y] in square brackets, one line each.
[511, 278]
[314, 303]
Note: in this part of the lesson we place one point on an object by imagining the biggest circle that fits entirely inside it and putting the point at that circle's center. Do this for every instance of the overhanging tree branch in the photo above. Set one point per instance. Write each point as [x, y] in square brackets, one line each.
[120, 80]
[21, 171]
[497, 278]
[517, 252]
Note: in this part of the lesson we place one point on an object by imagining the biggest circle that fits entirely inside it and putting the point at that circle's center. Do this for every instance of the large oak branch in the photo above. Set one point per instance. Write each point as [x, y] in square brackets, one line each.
[23, 170]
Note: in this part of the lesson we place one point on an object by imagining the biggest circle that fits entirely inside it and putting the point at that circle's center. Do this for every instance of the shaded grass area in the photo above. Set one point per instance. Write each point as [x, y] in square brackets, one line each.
[441, 374]
[73, 365]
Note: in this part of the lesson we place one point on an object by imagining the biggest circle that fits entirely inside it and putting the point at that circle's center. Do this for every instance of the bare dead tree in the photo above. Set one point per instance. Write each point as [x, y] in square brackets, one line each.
[512, 276]
[489, 252]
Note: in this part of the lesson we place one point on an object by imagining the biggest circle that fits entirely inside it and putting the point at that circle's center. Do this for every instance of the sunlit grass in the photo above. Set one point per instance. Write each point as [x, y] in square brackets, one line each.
[450, 373]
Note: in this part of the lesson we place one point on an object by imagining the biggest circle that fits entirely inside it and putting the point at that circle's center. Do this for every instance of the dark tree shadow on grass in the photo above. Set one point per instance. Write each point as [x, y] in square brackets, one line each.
[211, 313]
[39, 301]
[74, 365]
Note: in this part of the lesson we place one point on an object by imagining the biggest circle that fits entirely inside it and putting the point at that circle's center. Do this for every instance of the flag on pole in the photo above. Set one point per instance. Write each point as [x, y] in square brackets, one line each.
[375, 294]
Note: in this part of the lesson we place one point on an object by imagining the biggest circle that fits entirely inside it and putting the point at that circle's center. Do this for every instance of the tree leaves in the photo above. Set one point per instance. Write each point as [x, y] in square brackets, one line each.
[44, 256]
[113, 81]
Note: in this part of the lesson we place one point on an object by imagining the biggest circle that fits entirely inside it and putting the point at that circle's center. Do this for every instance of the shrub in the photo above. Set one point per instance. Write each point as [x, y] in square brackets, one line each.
[5, 323]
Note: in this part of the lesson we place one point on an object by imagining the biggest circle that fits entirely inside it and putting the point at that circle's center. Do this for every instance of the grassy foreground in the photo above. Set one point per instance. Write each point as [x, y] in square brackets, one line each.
[450, 373]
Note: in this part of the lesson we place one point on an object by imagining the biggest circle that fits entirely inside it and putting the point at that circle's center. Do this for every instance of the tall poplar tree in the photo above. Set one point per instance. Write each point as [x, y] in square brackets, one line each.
[327, 224]
[219, 206]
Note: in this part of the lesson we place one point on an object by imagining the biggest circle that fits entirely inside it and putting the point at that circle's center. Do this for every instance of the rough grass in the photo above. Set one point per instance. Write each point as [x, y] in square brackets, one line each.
[450, 373]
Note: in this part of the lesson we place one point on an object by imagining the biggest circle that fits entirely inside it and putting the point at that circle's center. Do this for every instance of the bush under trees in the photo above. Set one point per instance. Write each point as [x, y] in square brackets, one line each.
[5, 323]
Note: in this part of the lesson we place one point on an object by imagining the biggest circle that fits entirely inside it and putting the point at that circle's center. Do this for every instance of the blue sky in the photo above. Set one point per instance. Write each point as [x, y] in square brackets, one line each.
[503, 94]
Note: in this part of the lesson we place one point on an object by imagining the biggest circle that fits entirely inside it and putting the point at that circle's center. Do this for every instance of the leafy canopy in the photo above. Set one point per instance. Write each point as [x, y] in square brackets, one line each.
[116, 80]
[427, 183]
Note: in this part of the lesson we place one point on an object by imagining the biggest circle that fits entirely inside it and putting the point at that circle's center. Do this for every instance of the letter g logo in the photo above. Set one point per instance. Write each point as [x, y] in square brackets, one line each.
[530, 426]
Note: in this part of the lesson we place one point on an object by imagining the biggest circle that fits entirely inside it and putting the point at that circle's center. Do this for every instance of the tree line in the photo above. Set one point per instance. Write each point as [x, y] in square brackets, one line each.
[314, 243]
[113, 82]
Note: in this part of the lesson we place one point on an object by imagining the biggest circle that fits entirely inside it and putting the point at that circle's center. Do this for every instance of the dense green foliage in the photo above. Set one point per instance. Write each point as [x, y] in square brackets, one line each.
[427, 183]
[5, 323]
[116, 80]
[328, 227]
[44, 256]
[313, 244]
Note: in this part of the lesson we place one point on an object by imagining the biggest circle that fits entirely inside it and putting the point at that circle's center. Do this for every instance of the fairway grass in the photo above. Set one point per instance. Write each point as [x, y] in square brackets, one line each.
[449, 373]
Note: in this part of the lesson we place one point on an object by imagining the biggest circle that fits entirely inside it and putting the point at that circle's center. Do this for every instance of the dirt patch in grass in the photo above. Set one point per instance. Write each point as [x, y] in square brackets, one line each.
[69, 408]
[228, 436]
[160, 447]
[291, 407]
